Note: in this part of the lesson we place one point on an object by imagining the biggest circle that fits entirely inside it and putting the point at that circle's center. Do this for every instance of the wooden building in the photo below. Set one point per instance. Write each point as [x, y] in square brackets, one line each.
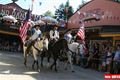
[105, 29]
[9, 33]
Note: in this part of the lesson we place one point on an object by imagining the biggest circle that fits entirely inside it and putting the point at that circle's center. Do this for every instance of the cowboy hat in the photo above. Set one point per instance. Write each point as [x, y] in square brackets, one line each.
[36, 26]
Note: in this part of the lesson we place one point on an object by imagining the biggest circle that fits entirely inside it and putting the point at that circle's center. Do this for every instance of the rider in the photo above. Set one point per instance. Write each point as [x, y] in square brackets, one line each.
[54, 34]
[68, 36]
[36, 35]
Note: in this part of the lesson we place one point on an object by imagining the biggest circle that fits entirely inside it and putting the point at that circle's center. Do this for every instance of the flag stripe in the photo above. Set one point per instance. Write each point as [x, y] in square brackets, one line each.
[81, 33]
[23, 29]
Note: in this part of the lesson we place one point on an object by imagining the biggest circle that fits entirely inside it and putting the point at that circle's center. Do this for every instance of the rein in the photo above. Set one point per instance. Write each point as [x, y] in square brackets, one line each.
[36, 48]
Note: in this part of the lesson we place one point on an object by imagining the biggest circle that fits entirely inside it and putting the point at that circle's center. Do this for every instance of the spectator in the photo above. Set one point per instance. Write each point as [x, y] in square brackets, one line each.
[116, 66]
[108, 59]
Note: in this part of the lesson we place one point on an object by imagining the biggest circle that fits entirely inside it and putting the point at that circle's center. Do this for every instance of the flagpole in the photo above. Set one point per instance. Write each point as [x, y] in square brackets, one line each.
[32, 5]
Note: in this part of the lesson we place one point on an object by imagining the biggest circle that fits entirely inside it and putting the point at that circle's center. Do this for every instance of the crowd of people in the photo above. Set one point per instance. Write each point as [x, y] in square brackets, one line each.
[7, 45]
[102, 57]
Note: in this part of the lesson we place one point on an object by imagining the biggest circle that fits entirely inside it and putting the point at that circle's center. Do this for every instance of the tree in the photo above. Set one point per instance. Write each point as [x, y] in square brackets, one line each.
[14, 1]
[64, 12]
[59, 13]
[117, 1]
[68, 10]
[81, 5]
[48, 13]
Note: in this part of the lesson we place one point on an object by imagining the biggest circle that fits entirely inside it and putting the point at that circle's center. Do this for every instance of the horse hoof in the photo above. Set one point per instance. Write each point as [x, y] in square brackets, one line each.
[73, 71]
[65, 68]
[25, 65]
[48, 64]
[33, 68]
[50, 67]
[42, 65]
[38, 70]
[56, 70]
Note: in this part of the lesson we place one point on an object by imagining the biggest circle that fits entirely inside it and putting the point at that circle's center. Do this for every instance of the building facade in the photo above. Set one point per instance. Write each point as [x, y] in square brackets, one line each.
[105, 29]
[9, 34]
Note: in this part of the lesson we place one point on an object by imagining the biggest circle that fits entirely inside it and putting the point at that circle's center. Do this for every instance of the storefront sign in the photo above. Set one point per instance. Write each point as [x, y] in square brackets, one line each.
[16, 11]
[90, 13]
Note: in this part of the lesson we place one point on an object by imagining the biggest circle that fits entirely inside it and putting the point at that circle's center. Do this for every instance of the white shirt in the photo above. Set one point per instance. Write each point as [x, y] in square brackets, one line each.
[55, 36]
[36, 34]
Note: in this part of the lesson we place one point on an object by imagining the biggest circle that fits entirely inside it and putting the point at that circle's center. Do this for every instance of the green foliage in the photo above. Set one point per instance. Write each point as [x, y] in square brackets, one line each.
[48, 13]
[59, 13]
[67, 4]
[64, 12]
[14, 1]
[116, 1]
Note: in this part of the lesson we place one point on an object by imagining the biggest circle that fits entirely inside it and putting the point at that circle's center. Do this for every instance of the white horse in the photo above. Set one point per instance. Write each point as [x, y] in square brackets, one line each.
[73, 48]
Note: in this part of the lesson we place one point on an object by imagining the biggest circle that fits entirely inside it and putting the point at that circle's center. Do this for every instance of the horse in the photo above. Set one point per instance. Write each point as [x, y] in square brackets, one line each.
[73, 52]
[54, 50]
[36, 49]
[61, 49]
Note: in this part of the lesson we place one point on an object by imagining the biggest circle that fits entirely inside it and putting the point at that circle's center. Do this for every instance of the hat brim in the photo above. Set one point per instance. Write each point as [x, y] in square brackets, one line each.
[36, 25]
[55, 25]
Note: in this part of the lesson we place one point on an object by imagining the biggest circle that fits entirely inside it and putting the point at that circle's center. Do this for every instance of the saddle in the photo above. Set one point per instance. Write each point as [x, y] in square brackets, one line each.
[29, 44]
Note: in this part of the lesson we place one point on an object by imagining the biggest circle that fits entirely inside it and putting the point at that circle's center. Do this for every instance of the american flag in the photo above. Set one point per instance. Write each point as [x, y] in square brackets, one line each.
[81, 35]
[23, 29]
[81, 32]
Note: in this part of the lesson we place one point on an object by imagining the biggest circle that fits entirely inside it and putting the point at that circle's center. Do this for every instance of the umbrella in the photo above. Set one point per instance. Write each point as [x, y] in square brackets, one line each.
[49, 20]
[39, 22]
[9, 18]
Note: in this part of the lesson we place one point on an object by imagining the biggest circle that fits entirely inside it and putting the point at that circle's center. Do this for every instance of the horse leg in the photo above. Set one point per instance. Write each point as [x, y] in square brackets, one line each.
[25, 59]
[65, 66]
[70, 61]
[37, 64]
[51, 66]
[55, 63]
[33, 65]
[35, 56]
[48, 58]
[42, 58]
[38, 68]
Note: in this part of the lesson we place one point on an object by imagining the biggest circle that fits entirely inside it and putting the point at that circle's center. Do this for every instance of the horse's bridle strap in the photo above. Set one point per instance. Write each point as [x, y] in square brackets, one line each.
[36, 48]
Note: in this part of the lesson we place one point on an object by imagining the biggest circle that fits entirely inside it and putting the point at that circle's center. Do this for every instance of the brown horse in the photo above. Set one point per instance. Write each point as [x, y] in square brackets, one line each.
[55, 51]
